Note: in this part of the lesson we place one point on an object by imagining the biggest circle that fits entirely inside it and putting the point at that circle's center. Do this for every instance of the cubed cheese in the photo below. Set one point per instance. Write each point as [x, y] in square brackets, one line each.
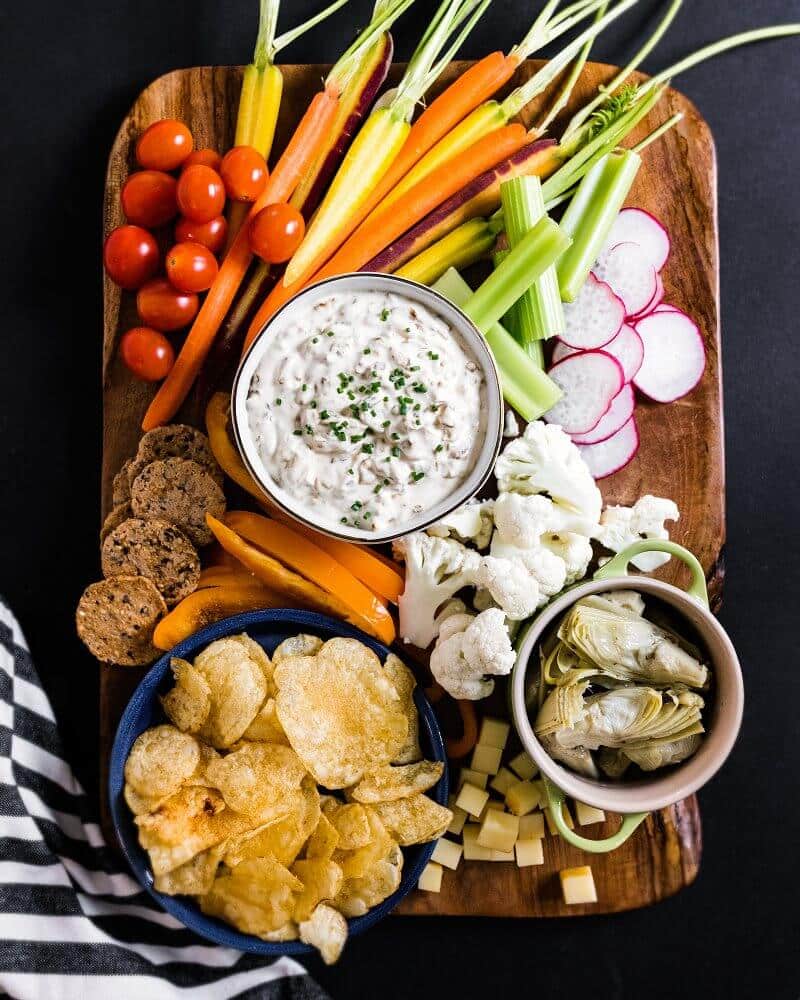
[491, 804]
[494, 733]
[472, 849]
[551, 826]
[529, 852]
[431, 878]
[502, 781]
[472, 799]
[577, 884]
[468, 776]
[486, 759]
[447, 853]
[587, 815]
[501, 855]
[459, 816]
[499, 831]
[523, 766]
[531, 827]
[522, 797]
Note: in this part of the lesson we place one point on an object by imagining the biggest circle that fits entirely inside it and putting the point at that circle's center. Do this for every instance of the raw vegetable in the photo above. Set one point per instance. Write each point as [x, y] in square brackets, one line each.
[190, 267]
[244, 173]
[464, 246]
[635, 225]
[626, 347]
[208, 157]
[658, 296]
[211, 234]
[209, 605]
[130, 256]
[609, 456]
[164, 145]
[589, 382]
[619, 413]
[460, 747]
[622, 526]
[146, 353]
[519, 322]
[630, 276]
[200, 193]
[148, 198]
[674, 356]
[163, 308]
[276, 232]
[594, 318]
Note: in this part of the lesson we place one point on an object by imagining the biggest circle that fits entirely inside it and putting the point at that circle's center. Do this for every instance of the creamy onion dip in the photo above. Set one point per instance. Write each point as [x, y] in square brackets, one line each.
[368, 409]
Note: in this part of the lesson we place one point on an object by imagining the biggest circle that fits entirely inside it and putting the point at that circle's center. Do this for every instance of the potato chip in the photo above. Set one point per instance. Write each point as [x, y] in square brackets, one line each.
[260, 780]
[267, 726]
[140, 805]
[188, 703]
[161, 759]
[238, 689]
[350, 821]
[358, 895]
[340, 712]
[283, 839]
[286, 932]
[323, 841]
[200, 776]
[195, 878]
[355, 863]
[257, 652]
[297, 645]
[325, 930]
[414, 820]
[321, 881]
[257, 896]
[405, 682]
[387, 783]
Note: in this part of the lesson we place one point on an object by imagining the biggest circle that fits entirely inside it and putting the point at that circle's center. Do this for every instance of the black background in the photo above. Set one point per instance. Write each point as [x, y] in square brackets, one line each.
[71, 71]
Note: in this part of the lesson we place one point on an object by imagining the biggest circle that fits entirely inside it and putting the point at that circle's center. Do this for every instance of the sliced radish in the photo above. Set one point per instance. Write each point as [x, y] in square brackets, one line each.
[629, 273]
[614, 453]
[674, 356]
[628, 349]
[594, 318]
[634, 225]
[618, 414]
[665, 307]
[561, 351]
[589, 380]
[654, 303]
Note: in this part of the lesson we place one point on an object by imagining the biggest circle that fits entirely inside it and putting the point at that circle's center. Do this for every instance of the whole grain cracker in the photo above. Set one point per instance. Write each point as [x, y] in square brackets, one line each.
[174, 441]
[121, 488]
[180, 491]
[114, 519]
[115, 619]
[155, 549]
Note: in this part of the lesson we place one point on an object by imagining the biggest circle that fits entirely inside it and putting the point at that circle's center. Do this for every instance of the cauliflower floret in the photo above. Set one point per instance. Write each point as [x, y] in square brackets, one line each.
[511, 584]
[574, 549]
[621, 526]
[544, 460]
[483, 600]
[460, 661]
[522, 520]
[547, 568]
[436, 568]
[510, 424]
[470, 523]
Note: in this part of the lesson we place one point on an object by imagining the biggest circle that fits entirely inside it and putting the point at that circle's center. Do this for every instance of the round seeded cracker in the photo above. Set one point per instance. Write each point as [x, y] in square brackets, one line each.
[155, 549]
[121, 488]
[115, 517]
[174, 441]
[180, 491]
[115, 619]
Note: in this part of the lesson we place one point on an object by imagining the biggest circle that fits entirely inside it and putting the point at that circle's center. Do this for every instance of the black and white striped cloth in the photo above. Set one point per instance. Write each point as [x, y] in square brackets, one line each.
[72, 922]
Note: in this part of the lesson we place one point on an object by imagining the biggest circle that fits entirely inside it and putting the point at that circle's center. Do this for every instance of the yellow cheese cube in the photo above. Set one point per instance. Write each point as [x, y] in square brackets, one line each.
[431, 878]
[531, 827]
[529, 852]
[567, 819]
[577, 884]
[498, 831]
[502, 781]
[472, 799]
[587, 815]
[522, 797]
[468, 776]
[501, 856]
[459, 816]
[523, 766]
[486, 759]
[447, 853]
[472, 849]
[494, 733]
[491, 804]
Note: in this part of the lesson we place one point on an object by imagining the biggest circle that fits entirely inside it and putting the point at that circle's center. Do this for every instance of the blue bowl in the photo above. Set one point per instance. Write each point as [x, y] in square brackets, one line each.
[268, 628]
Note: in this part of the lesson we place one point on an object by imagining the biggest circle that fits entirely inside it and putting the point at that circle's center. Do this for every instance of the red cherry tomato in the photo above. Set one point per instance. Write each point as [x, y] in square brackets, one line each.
[163, 307]
[244, 173]
[276, 232]
[201, 193]
[148, 198]
[191, 267]
[164, 145]
[204, 157]
[210, 234]
[130, 256]
[147, 353]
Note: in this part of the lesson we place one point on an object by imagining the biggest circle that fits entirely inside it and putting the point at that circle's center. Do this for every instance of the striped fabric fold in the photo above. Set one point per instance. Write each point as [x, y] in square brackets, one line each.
[73, 923]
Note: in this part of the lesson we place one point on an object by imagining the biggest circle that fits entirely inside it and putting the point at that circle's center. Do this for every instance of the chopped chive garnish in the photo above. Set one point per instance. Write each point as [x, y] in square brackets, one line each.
[278, 401]
[416, 476]
[385, 314]
[324, 415]
[438, 448]
[433, 356]
[368, 448]
[313, 404]
[367, 350]
[343, 520]
[395, 452]
[357, 505]
[386, 423]
[297, 433]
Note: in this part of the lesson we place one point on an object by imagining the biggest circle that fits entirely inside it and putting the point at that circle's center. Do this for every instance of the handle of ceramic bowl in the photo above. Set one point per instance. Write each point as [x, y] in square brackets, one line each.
[555, 801]
[618, 566]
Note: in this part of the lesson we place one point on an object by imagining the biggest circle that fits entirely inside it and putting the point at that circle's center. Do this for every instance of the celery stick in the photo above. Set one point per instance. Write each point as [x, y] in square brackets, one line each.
[518, 319]
[590, 215]
[525, 387]
[539, 310]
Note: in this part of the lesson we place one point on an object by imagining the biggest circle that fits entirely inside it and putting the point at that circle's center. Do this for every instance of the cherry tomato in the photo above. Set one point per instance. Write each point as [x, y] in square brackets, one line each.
[191, 267]
[244, 172]
[147, 353]
[163, 307]
[205, 157]
[276, 232]
[130, 255]
[164, 145]
[201, 193]
[148, 198]
[210, 234]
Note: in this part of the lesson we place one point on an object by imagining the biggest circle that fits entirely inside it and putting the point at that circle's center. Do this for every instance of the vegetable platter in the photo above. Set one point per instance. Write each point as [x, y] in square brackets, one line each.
[681, 454]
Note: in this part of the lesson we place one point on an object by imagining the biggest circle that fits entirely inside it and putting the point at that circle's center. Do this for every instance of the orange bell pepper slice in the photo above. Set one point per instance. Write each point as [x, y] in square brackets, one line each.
[224, 450]
[210, 605]
[226, 576]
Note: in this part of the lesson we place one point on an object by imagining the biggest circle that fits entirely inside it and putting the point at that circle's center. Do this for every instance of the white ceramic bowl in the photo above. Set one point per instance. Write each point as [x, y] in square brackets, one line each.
[269, 337]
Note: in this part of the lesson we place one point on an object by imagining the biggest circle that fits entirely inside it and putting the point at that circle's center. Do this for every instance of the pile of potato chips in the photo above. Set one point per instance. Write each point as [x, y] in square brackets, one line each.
[227, 798]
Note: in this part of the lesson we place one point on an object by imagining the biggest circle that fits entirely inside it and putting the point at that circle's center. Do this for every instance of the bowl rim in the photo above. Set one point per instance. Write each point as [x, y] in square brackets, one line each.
[185, 910]
[686, 778]
[485, 461]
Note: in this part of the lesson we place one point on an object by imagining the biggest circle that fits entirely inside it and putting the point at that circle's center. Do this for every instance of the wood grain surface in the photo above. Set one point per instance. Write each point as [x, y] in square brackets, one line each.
[681, 456]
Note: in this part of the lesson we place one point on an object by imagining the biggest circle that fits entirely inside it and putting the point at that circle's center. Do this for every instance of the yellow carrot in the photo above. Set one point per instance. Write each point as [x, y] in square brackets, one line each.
[464, 246]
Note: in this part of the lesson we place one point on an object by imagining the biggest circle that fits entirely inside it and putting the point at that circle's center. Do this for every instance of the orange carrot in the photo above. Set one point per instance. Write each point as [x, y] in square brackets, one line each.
[383, 226]
[461, 746]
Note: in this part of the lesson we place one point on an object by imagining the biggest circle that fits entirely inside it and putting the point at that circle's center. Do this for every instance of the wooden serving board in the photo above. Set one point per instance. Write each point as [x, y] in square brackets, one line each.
[681, 455]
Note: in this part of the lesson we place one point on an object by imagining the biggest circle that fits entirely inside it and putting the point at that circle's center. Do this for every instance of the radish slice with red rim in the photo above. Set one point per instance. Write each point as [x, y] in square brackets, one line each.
[674, 356]
[634, 225]
[654, 303]
[619, 413]
[628, 349]
[561, 351]
[609, 456]
[665, 307]
[594, 318]
[589, 381]
[631, 276]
